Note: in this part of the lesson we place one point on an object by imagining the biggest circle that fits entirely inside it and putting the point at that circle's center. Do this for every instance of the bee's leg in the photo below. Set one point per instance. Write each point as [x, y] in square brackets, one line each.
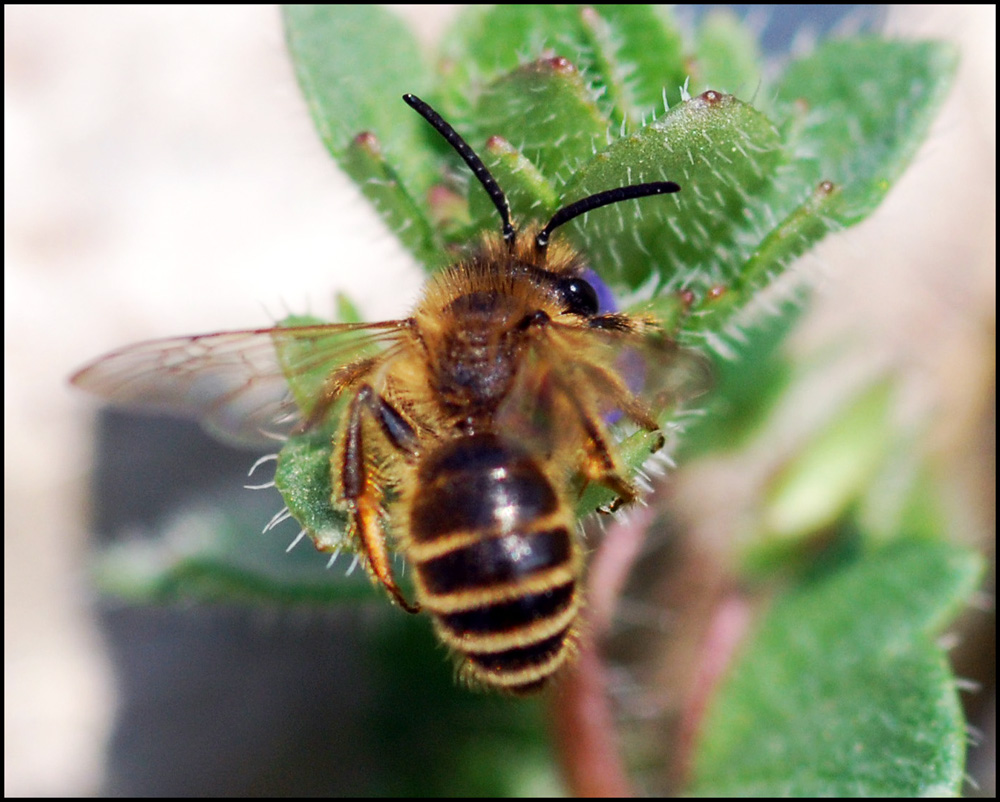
[613, 386]
[361, 492]
[336, 383]
[599, 464]
[397, 431]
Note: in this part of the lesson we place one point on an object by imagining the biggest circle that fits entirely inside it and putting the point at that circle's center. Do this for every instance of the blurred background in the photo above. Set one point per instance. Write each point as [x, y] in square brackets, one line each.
[162, 176]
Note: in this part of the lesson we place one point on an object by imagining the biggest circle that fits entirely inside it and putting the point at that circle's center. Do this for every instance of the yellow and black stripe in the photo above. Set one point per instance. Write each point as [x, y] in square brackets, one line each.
[495, 561]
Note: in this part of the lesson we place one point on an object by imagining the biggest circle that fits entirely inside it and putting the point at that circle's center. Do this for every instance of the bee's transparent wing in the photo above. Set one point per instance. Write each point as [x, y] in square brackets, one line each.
[247, 387]
[636, 374]
[663, 375]
[571, 373]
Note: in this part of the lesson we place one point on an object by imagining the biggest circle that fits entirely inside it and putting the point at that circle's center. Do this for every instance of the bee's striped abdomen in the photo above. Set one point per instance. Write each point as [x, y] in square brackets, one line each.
[495, 561]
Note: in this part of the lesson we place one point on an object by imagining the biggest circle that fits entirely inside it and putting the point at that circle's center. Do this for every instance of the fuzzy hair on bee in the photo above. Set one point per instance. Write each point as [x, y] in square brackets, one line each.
[462, 434]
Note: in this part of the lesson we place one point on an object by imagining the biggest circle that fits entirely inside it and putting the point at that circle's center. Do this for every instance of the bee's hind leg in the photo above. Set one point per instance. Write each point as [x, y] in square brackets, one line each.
[362, 494]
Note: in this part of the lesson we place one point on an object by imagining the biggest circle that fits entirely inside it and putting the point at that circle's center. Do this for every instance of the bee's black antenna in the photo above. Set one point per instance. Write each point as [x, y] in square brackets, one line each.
[469, 156]
[591, 202]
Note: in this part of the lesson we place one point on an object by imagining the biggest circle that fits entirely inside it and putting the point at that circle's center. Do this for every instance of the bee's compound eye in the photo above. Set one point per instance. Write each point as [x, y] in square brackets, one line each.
[579, 296]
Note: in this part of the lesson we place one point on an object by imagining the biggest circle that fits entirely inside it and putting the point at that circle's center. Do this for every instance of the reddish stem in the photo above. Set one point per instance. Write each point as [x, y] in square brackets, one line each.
[728, 626]
[583, 722]
[584, 730]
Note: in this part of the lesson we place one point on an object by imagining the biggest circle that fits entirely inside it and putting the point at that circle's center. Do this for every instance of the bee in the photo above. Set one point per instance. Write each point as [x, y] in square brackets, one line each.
[461, 433]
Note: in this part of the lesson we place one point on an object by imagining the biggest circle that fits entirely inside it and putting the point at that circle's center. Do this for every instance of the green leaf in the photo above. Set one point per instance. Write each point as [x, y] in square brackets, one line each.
[842, 690]
[859, 109]
[728, 58]
[629, 53]
[723, 153]
[748, 384]
[638, 59]
[303, 478]
[222, 554]
[487, 42]
[354, 63]
[547, 112]
[829, 473]
[907, 495]
[855, 112]
[364, 163]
